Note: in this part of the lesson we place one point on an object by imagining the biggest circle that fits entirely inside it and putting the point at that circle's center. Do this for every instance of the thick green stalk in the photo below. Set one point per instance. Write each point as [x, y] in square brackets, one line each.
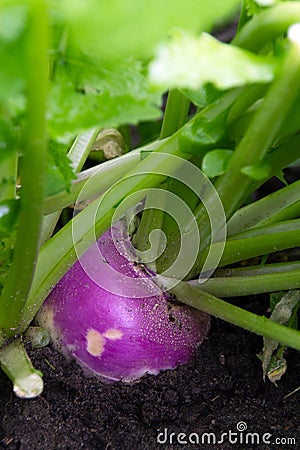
[103, 175]
[267, 25]
[247, 98]
[260, 241]
[233, 187]
[210, 113]
[199, 299]
[261, 132]
[243, 19]
[77, 154]
[15, 292]
[14, 361]
[281, 205]
[279, 158]
[252, 284]
[27, 382]
[256, 270]
[238, 126]
[177, 108]
[152, 219]
[174, 118]
[81, 148]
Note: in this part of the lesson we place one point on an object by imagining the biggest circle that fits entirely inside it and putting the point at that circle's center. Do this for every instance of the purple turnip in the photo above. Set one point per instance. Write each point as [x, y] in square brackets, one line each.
[115, 335]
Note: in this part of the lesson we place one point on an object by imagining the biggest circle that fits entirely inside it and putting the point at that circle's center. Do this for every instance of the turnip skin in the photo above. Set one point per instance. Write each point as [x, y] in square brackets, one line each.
[116, 337]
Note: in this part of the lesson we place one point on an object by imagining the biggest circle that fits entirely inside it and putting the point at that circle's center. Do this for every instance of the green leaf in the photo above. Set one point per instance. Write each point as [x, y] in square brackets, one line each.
[7, 138]
[131, 27]
[281, 177]
[188, 61]
[202, 134]
[255, 6]
[88, 71]
[203, 96]
[59, 170]
[9, 210]
[258, 171]
[252, 7]
[90, 91]
[13, 36]
[71, 111]
[216, 162]
[12, 22]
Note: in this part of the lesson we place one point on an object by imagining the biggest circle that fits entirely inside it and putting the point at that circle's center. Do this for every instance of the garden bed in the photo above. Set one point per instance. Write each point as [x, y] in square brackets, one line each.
[213, 394]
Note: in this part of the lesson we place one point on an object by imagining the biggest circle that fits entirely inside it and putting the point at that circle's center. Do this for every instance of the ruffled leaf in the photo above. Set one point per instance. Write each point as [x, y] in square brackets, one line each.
[216, 162]
[190, 62]
[131, 27]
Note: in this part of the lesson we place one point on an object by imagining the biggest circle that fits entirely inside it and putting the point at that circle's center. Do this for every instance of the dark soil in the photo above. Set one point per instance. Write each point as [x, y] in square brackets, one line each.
[221, 388]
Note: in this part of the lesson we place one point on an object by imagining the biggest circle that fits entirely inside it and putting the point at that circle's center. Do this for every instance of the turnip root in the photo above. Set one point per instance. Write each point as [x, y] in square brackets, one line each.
[119, 337]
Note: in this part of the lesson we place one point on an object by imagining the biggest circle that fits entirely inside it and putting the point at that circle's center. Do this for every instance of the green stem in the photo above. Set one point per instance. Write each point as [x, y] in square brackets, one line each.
[15, 362]
[245, 100]
[267, 25]
[257, 270]
[152, 219]
[285, 153]
[78, 154]
[238, 125]
[81, 148]
[233, 187]
[176, 111]
[243, 19]
[199, 299]
[15, 292]
[174, 117]
[279, 158]
[278, 206]
[48, 226]
[261, 133]
[208, 114]
[103, 175]
[252, 284]
[260, 241]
